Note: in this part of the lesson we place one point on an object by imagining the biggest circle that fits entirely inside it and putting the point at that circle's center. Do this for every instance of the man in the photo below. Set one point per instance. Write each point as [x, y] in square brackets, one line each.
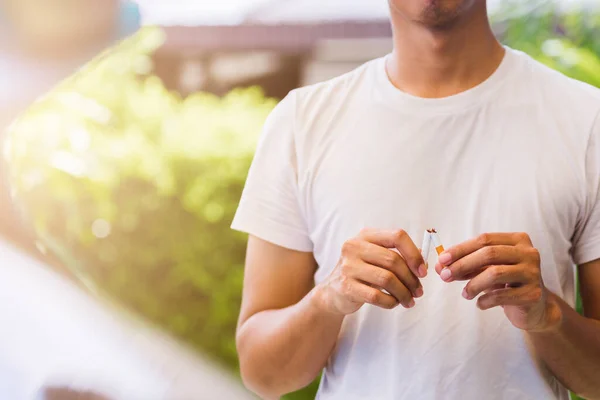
[452, 131]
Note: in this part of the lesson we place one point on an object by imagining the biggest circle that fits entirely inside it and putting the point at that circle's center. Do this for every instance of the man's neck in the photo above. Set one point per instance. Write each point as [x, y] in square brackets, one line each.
[436, 63]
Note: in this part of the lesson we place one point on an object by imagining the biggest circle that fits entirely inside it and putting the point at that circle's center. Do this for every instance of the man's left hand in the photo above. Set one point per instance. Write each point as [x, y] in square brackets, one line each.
[505, 269]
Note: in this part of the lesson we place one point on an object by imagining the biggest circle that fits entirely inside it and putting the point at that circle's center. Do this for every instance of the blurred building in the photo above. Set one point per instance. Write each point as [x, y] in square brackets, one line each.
[276, 44]
[276, 57]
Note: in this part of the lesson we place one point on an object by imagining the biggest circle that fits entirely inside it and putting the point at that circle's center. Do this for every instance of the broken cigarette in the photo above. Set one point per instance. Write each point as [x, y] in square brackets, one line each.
[425, 247]
[435, 238]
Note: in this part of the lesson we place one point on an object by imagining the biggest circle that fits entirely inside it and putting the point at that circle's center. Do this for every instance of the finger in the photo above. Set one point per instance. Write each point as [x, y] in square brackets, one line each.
[391, 261]
[474, 263]
[522, 296]
[422, 271]
[400, 241]
[438, 268]
[384, 279]
[365, 294]
[485, 240]
[495, 275]
[495, 287]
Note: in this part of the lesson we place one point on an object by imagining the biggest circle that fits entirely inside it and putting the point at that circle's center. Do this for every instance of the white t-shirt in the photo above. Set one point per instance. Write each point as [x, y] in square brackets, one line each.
[518, 153]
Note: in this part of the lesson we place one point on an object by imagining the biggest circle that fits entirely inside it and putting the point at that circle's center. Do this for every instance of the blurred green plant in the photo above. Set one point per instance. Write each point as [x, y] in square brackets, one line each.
[135, 187]
[566, 41]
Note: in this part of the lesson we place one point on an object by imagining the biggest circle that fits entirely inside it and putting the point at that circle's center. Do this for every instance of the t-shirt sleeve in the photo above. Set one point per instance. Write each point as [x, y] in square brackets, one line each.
[270, 207]
[586, 243]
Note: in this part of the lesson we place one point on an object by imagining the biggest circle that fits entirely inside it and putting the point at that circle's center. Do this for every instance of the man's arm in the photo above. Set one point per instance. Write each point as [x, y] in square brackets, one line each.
[572, 349]
[503, 269]
[283, 340]
[288, 329]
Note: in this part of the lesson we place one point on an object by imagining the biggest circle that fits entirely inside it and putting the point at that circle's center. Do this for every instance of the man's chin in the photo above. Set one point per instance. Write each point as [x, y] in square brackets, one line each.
[438, 16]
[443, 13]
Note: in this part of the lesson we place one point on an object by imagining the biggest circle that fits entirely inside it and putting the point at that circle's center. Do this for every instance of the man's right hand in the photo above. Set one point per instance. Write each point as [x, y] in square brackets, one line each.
[368, 264]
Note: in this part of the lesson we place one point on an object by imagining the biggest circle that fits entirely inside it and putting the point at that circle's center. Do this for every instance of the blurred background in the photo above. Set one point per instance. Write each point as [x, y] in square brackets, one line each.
[127, 129]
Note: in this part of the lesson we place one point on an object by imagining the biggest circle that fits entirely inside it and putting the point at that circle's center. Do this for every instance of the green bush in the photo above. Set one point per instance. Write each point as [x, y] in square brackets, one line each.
[569, 43]
[135, 188]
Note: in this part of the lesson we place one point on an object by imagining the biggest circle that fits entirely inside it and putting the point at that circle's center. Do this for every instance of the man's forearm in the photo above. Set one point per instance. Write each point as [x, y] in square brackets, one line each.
[571, 350]
[284, 350]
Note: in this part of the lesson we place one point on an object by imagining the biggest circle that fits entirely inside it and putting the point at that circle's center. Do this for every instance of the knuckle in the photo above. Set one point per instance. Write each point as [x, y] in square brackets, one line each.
[491, 254]
[388, 302]
[350, 246]
[534, 254]
[400, 234]
[385, 278]
[345, 267]
[391, 305]
[535, 274]
[364, 231]
[523, 237]
[391, 259]
[484, 240]
[497, 272]
[374, 296]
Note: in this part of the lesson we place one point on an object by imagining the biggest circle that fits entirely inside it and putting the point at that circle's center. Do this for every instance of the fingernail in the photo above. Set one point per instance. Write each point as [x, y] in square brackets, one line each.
[446, 274]
[422, 270]
[445, 258]
[419, 292]
[465, 294]
[412, 303]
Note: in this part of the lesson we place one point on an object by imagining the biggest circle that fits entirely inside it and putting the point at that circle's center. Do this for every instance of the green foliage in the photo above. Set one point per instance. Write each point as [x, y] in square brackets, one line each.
[135, 187]
[567, 42]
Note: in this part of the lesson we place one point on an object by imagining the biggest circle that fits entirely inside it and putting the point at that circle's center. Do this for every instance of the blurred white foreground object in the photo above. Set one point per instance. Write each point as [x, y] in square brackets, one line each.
[53, 334]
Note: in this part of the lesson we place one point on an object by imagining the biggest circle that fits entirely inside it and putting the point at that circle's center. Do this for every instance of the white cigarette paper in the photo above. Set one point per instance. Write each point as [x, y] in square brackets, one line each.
[426, 246]
[437, 243]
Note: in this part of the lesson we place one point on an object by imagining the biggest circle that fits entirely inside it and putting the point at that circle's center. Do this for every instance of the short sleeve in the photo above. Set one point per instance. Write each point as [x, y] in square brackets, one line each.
[586, 243]
[270, 206]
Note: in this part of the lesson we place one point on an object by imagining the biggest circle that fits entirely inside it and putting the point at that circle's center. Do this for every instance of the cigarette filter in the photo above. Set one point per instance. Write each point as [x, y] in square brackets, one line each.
[426, 246]
[435, 238]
